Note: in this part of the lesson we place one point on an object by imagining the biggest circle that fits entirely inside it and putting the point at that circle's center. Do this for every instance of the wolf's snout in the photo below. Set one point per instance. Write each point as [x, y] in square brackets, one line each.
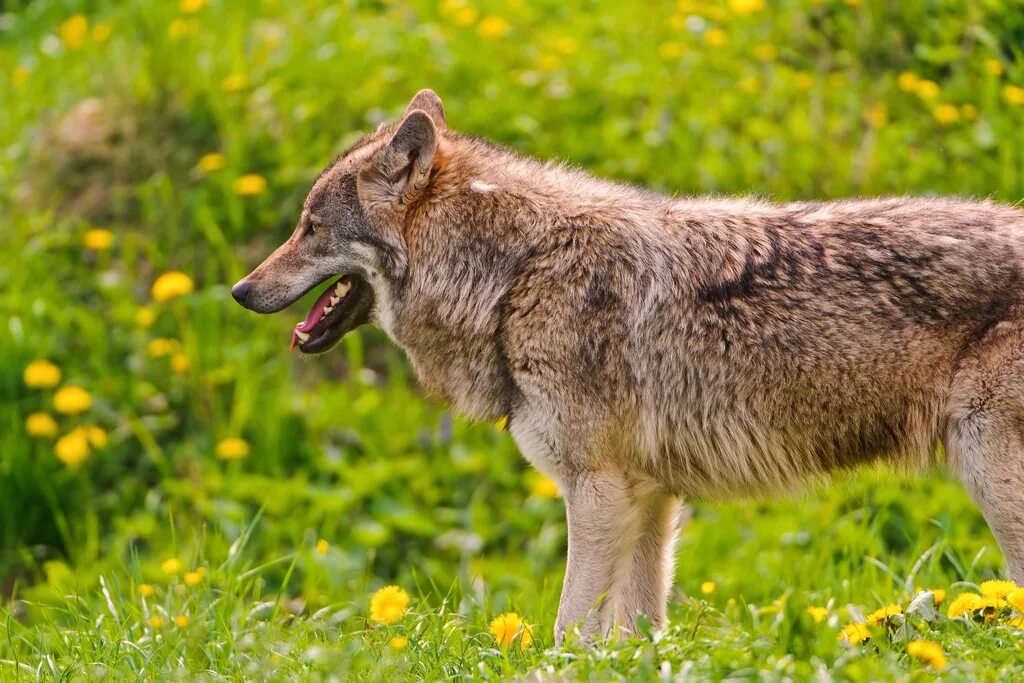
[241, 292]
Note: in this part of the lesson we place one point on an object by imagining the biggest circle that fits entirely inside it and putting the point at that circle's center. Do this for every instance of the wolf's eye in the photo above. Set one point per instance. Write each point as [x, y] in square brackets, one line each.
[311, 227]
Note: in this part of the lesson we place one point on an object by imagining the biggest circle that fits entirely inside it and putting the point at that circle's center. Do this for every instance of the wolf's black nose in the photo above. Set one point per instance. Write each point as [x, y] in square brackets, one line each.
[241, 291]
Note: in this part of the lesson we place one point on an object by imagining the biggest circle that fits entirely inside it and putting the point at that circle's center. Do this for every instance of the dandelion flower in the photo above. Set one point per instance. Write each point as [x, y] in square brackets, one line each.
[179, 28]
[997, 588]
[250, 185]
[927, 90]
[707, 588]
[191, 6]
[41, 425]
[501, 423]
[232, 448]
[1016, 599]
[398, 642]
[928, 652]
[388, 605]
[41, 374]
[71, 400]
[854, 633]
[162, 346]
[877, 115]
[993, 67]
[969, 111]
[1017, 622]
[19, 75]
[72, 448]
[803, 81]
[907, 81]
[101, 31]
[195, 577]
[716, 37]
[940, 595]
[493, 27]
[234, 83]
[766, 52]
[322, 547]
[508, 626]
[1013, 94]
[746, 6]
[671, 49]
[156, 621]
[567, 46]
[97, 436]
[181, 621]
[962, 604]
[180, 363]
[73, 31]
[883, 614]
[208, 163]
[465, 16]
[171, 565]
[818, 613]
[170, 285]
[145, 589]
[543, 487]
[946, 114]
[98, 239]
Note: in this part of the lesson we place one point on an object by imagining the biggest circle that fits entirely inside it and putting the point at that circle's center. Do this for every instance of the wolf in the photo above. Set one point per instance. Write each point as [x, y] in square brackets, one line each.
[647, 349]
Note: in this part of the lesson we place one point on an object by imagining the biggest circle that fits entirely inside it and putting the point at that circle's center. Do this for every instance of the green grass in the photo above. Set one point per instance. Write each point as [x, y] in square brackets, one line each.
[105, 127]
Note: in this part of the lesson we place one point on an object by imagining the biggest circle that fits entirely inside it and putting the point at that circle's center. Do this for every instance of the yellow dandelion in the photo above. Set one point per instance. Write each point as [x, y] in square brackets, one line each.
[1017, 622]
[567, 46]
[907, 81]
[398, 642]
[19, 75]
[928, 652]
[41, 425]
[993, 67]
[854, 633]
[1013, 94]
[962, 604]
[946, 114]
[234, 83]
[98, 239]
[101, 32]
[877, 115]
[465, 16]
[156, 621]
[388, 605]
[969, 111]
[746, 6]
[170, 285]
[997, 588]
[940, 595]
[73, 31]
[97, 437]
[707, 588]
[818, 613]
[191, 6]
[145, 316]
[927, 90]
[548, 63]
[194, 577]
[803, 81]
[71, 400]
[1016, 599]
[162, 346]
[180, 363]
[542, 486]
[493, 27]
[232, 448]
[72, 448]
[250, 185]
[671, 49]
[41, 374]
[509, 626]
[181, 621]
[171, 565]
[766, 52]
[501, 423]
[210, 162]
[322, 547]
[179, 28]
[716, 37]
[145, 589]
[883, 614]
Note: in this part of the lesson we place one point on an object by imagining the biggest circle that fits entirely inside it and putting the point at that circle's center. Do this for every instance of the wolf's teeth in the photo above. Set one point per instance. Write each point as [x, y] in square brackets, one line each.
[341, 289]
[335, 300]
[303, 336]
[328, 310]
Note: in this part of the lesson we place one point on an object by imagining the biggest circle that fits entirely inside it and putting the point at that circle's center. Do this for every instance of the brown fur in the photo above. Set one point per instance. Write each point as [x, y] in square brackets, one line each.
[648, 349]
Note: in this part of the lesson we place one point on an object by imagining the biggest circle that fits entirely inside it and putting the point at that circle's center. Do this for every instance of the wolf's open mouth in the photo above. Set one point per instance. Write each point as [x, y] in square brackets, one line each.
[341, 308]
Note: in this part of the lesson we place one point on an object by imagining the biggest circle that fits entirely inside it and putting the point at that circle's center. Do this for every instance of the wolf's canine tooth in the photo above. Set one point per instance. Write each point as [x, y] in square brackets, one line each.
[303, 336]
[335, 300]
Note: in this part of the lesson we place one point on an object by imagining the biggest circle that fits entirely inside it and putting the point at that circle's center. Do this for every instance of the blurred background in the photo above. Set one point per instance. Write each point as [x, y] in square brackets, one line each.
[152, 152]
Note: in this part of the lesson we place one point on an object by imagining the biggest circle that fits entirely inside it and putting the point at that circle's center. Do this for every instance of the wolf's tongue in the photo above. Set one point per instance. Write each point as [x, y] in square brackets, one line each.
[315, 314]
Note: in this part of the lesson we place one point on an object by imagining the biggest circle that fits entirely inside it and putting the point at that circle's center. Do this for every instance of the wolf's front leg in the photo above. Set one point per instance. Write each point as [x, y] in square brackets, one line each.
[602, 520]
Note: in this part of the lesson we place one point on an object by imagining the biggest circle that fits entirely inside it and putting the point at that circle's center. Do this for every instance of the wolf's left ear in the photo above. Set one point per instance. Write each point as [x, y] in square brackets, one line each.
[400, 170]
[428, 101]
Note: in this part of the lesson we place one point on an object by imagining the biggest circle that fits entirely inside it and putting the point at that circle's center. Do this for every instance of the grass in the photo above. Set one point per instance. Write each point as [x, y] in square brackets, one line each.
[110, 112]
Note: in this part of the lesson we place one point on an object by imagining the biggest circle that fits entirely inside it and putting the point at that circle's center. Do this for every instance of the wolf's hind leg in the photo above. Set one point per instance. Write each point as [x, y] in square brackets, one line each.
[644, 587]
[984, 439]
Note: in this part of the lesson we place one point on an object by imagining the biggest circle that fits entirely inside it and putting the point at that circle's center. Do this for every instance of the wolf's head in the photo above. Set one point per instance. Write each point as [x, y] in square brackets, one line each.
[351, 229]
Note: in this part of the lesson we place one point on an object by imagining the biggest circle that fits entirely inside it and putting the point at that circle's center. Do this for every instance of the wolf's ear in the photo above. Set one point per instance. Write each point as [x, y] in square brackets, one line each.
[399, 171]
[428, 101]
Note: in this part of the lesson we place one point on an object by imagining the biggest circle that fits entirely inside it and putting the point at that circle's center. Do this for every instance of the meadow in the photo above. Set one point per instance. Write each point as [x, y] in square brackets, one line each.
[182, 499]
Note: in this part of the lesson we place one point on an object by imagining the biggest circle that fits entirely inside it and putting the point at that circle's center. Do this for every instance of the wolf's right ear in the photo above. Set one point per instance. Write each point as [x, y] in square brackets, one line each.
[400, 170]
[428, 101]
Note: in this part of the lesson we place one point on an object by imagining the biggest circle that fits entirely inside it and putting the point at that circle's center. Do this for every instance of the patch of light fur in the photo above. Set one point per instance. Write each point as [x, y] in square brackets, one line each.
[481, 186]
